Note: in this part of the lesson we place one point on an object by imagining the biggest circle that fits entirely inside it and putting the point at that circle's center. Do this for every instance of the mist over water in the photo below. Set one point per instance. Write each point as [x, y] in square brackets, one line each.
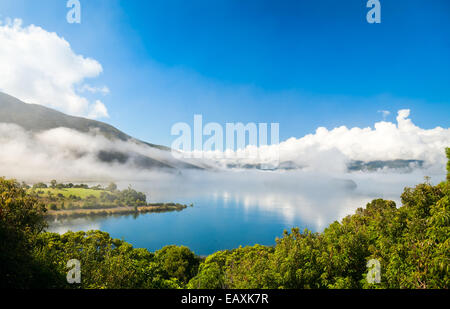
[245, 208]
[232, 206]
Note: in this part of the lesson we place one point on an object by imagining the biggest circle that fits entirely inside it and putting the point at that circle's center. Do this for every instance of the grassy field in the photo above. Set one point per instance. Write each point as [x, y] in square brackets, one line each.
[79, 192]
[65, 200]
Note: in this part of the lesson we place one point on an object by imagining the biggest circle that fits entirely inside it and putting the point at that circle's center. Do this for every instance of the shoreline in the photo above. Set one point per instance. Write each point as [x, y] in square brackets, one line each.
[169, 207]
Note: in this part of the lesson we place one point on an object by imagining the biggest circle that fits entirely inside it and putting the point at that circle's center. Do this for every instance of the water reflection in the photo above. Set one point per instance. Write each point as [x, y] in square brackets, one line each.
[242, 209]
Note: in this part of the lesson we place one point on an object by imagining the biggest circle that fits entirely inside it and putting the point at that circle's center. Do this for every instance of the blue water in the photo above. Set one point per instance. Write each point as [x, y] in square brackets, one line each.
[206, 227]
[232, 214]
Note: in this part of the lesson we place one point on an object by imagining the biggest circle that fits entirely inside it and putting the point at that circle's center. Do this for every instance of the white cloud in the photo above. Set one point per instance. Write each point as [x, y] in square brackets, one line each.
[98, 110]
[331, 150]
[65, 154]
[40, 67]
[385, 114]
[88, 88]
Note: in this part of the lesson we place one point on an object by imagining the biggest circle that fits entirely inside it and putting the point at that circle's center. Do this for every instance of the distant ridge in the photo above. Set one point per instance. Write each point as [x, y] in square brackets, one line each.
[33, 117]
[390, 164]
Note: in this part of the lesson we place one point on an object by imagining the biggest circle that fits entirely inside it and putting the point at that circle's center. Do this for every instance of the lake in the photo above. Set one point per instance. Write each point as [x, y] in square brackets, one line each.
[240, 209]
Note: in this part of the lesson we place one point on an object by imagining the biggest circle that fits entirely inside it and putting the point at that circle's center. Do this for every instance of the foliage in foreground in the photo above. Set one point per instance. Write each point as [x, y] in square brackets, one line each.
[412, 244]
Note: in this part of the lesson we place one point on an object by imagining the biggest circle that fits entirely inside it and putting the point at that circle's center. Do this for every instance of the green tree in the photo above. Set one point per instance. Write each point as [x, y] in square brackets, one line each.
[21, 221]
[178, 262]
[111, 187]
[40, 185]
[447, 151]
[53, 184]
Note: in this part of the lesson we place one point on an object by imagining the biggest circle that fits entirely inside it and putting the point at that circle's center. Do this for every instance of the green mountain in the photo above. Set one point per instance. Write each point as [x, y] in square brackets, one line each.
[37, 118]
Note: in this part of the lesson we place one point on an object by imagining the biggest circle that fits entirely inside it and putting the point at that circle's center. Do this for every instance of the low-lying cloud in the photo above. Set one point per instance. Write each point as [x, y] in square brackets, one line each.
[68, 155]
[317, 194]
[332, 150]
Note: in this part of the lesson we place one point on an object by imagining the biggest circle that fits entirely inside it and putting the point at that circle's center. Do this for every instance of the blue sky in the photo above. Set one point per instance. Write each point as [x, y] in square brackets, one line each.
[303, 64]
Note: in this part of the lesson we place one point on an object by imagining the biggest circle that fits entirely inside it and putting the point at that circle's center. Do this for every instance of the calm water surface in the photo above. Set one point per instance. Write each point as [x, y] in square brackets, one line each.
[230, 212]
